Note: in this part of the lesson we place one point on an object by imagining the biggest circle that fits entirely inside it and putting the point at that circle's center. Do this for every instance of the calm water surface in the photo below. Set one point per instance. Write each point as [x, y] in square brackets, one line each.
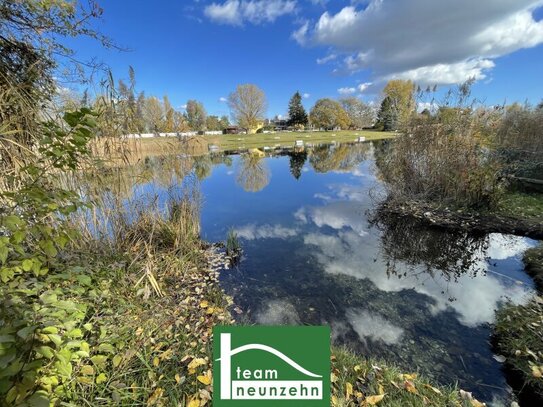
[422, 298]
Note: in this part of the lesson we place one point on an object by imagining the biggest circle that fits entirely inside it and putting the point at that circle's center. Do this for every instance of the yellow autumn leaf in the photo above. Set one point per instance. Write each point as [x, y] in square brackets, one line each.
[357, 368]
[373, 400]
[85, 380]
[156, 361]
[410, 387]
[196, 363]
[204, 304]
[381, 389]
[335, 401]
[333, 377]
[87, 370]
[536, 372]
[205, 379]
[348, 390]
[157, 394]
[194, 403]
[477, 403]
[437, 391]
[406, 376]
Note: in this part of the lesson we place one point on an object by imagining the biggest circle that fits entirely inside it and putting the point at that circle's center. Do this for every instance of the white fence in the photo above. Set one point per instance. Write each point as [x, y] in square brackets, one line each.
[181, 134]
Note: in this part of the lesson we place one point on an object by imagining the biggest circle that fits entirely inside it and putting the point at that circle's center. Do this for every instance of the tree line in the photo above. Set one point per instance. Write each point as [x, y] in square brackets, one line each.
[131, 111]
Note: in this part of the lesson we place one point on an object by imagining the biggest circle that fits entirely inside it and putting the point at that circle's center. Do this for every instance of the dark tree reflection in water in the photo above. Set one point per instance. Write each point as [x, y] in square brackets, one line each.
[450, 254]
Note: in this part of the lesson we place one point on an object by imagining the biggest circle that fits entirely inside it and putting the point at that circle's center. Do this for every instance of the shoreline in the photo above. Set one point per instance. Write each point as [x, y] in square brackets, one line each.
[460, 220]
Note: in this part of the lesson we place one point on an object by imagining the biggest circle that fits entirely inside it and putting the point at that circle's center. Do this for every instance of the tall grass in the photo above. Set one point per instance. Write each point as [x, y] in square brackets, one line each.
[444, 158]
[519, 141]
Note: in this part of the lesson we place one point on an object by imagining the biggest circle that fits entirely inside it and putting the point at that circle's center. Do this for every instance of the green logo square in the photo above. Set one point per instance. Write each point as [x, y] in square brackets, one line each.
[271, 366]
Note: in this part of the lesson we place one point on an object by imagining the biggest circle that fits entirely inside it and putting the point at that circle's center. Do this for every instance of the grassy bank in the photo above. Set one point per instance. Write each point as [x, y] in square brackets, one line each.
[521, 206]
[519, 337]
[200, 144]
[533, 261]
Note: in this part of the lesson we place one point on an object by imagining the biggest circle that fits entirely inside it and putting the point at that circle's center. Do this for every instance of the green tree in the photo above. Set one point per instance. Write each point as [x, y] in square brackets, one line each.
[387, 118]
[296, 111]
[213, 123]
[224, 122]
[297, 162]
[196, 115]
[329, 114]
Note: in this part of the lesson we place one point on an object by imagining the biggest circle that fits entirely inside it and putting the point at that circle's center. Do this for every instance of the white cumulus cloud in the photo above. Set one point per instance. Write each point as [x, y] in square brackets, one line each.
[253, 232]
[364, 86]
[346, 91]
[434, 42]
[236, 12]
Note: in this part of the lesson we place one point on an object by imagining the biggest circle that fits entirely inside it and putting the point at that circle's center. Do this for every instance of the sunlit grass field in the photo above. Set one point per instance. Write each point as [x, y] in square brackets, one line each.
[201, 144]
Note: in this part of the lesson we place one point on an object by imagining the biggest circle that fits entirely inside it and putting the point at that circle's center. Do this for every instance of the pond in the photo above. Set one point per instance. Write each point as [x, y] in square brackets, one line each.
[313, 253]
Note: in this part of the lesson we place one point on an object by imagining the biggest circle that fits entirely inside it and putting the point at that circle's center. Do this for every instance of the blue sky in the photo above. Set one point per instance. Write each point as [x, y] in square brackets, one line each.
[197, 49]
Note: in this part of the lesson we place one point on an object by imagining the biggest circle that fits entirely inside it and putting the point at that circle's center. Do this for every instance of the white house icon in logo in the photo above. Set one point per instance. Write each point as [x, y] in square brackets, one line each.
[243, 389]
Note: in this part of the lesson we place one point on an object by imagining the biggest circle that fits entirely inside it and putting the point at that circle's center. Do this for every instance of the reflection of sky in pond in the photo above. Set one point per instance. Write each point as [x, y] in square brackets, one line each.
[421, 298]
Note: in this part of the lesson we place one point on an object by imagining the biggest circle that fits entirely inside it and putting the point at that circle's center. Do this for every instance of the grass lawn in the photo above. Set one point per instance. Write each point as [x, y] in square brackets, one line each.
[522, 205]
[200, 144]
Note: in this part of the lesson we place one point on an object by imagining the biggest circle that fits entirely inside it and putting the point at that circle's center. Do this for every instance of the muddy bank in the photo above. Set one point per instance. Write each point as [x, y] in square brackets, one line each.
[462, 220]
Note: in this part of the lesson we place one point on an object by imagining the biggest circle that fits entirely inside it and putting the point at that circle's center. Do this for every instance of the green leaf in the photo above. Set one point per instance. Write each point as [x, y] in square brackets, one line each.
[3, 254]
[48, 298]
[27, 264]
[106, 347]
[101, 378]
[39, 399]
[26, 332]
[49, 248]
[56, 339]
[117, 359]
[99, 360]
[75, 333]
[12, 222]
[7, 339]
[18, 236]
[64, 368]
[45, 351]
[50, 330]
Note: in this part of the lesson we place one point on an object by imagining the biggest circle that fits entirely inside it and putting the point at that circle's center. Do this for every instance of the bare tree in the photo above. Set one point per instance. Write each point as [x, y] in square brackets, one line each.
[361, 114]
[154, 114]
[248, 106]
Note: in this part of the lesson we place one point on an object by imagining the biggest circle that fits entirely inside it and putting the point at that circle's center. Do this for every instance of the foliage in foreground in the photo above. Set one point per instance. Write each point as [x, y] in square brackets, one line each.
[363, 382]
[519, 338]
